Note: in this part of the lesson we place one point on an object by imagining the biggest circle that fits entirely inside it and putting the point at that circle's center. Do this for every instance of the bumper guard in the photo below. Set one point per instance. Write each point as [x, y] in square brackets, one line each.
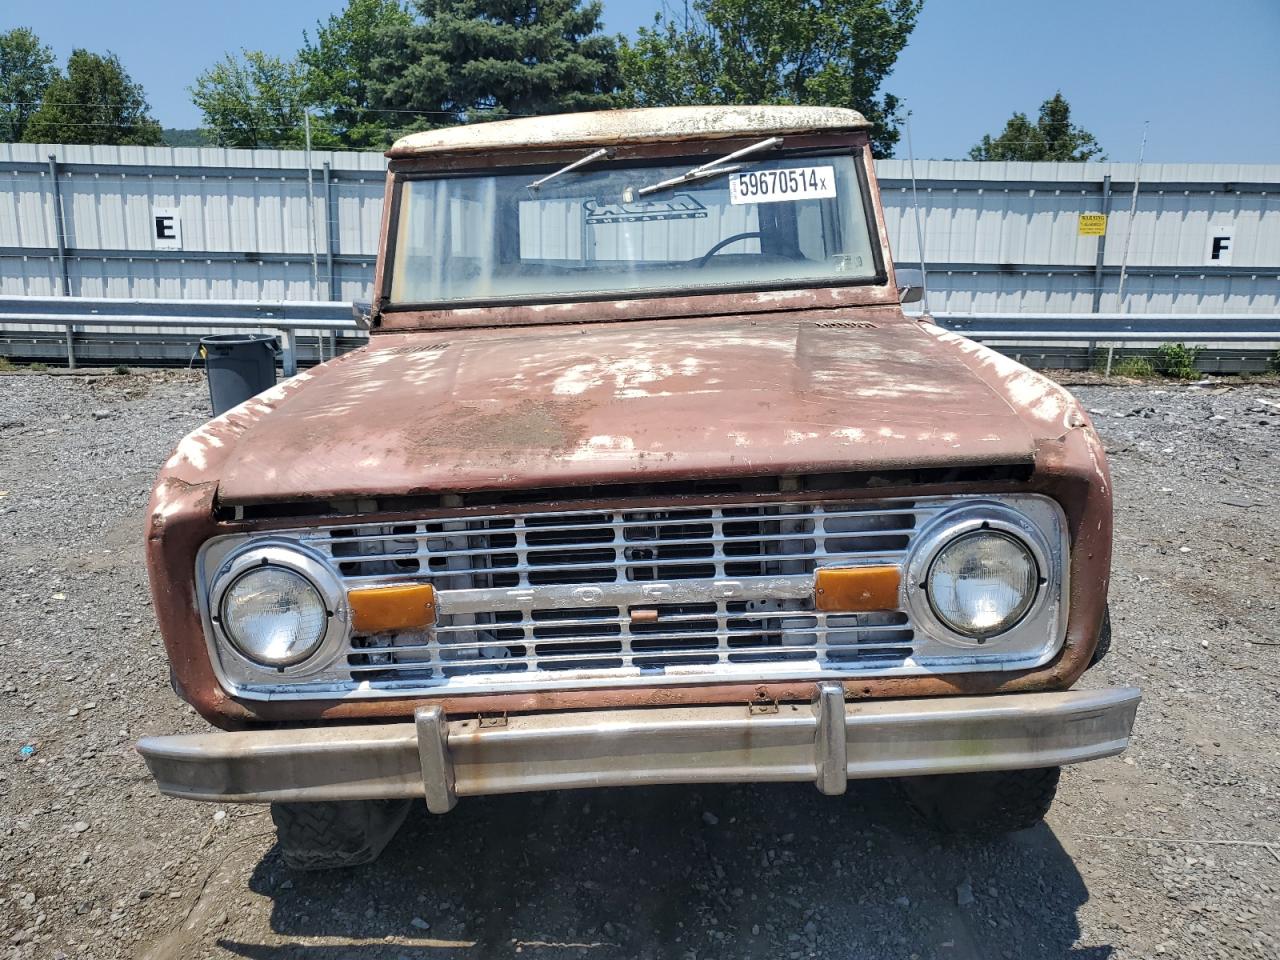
[827, 742]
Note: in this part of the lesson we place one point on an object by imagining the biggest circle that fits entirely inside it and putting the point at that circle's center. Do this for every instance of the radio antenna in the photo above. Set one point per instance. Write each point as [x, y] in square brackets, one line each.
[915, 206]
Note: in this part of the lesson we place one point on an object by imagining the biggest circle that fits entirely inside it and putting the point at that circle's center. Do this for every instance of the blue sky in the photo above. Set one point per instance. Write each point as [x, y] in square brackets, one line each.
[1206, 74]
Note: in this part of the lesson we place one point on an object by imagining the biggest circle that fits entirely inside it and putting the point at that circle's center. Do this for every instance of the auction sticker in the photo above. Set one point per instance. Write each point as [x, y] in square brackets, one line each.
[789, 183]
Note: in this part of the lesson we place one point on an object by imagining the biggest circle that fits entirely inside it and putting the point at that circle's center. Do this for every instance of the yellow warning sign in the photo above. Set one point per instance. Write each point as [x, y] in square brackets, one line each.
[1093, 224]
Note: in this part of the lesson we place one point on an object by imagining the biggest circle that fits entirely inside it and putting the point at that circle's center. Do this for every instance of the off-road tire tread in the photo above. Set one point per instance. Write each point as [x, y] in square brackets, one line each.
[328, 836]
[1104, 638]
[984, 804]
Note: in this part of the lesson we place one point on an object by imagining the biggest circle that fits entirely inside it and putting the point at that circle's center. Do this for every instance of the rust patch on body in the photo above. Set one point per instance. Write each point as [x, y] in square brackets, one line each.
[552, 425]
[599, 404]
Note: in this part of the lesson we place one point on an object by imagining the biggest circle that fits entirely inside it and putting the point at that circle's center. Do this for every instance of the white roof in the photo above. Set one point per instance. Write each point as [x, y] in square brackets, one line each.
[606, 127]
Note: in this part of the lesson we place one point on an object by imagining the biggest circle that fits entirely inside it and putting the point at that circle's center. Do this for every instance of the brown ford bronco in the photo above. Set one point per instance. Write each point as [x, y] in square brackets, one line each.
[644, 477]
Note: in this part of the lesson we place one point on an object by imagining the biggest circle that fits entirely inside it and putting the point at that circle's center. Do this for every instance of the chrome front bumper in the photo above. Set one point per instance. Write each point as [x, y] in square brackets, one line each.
[827, 742]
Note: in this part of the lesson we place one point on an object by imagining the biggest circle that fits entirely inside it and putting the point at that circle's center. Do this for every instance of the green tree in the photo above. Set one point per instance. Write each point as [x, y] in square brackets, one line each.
[824, 52]
[26, 70]
[184, 137]
[1052, 137]
[256, 100]
[95, 101]
[338, 69]
[671, 65]
[460, 61]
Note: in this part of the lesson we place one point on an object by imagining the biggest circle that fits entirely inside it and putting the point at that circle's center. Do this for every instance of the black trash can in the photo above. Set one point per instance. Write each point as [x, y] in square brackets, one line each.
[239, 366]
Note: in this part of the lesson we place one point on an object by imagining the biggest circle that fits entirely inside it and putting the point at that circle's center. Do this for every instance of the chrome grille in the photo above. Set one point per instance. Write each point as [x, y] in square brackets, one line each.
[554, 595]
[601, 638]
[619, 546]
[629, 596]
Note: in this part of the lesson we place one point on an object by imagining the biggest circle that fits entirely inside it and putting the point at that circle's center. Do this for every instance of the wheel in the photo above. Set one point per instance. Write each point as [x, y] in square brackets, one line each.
[1104, 638]
[324, 836]
[983, 804]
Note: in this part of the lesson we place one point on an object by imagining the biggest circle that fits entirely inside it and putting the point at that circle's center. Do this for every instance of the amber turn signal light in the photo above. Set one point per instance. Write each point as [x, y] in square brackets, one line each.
[856, 589]
[401, 606]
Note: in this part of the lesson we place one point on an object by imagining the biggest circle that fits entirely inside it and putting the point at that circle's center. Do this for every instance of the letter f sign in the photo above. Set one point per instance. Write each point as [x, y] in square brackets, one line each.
[1221, 245]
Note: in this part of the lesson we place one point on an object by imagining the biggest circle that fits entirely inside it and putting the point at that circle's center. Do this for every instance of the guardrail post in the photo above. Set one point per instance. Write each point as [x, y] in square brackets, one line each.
[1102, 245]
[289, 359]
[60, 230]
[330, 234]
[1097, 263]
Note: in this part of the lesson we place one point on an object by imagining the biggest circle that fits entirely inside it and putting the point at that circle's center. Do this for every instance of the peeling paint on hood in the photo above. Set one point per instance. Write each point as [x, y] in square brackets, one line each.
[607, 403]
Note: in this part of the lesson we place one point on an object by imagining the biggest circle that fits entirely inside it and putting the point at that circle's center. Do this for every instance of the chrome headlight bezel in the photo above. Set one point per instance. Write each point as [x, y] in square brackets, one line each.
[295, 559]
[1044, 620]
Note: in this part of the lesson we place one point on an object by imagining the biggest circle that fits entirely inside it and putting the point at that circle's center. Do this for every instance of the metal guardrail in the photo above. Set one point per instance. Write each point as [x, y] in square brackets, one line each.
[1011, 331]
[288, 318]
[284, 317]
[1116, 327]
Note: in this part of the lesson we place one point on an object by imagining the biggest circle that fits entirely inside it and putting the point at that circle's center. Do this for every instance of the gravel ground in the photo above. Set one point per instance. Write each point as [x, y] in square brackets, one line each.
[1160, 852]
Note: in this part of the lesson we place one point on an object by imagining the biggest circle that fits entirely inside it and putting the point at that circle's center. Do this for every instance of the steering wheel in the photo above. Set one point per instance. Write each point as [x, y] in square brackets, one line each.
[706, 257]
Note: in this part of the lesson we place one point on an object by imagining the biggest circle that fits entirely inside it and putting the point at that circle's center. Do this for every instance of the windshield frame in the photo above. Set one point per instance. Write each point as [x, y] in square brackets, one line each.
[640, 156]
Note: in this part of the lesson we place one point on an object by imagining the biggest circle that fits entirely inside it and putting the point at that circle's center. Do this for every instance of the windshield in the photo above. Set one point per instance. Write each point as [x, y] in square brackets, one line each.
[603, 229]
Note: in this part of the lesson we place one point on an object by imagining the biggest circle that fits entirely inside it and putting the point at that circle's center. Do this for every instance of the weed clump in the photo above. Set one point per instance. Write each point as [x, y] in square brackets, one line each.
[1137, 368]
[1177, 360]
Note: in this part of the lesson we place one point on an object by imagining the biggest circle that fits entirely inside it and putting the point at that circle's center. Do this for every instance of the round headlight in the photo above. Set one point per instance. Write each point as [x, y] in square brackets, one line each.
[274, 616]
[982, 583]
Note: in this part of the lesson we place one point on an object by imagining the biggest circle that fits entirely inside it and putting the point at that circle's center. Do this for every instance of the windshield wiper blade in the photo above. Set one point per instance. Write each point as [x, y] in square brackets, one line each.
[712, 168]
[591, 157]
[698, 174]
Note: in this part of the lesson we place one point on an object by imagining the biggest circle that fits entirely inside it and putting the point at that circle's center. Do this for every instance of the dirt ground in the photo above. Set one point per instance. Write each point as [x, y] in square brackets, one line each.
[1161, 852]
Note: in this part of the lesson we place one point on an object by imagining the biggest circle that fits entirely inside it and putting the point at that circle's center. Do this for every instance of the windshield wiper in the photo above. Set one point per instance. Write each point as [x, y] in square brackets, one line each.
[712, 168]
[591, 157]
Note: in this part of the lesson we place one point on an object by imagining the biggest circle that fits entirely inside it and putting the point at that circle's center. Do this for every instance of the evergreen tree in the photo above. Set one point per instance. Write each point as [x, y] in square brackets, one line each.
[95, 102]
[26, 70]
[1052, 137]
[460, 61]
[824, 52]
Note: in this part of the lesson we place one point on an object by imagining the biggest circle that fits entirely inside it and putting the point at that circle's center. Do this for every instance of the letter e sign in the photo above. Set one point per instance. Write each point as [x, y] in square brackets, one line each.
[1222, 243]
[166, 228]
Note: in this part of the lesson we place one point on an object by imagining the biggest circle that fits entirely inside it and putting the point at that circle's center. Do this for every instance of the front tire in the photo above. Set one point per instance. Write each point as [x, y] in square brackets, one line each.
[983, 804]
[327, 836]
[1104, 638]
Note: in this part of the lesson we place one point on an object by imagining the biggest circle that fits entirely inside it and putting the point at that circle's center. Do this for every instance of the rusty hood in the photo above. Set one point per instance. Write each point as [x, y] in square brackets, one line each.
[624, 402]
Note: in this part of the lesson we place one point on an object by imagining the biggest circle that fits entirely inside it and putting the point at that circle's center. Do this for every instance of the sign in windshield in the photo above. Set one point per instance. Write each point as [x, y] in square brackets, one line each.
[790, 183]
[590, 232]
